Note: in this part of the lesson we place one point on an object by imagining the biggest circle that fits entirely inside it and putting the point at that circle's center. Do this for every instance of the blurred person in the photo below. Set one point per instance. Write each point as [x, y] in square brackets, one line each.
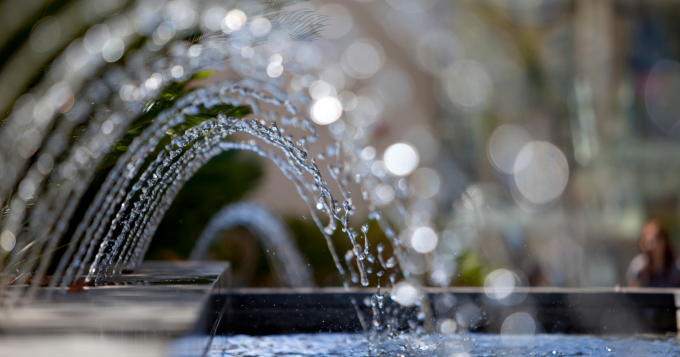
[655, 266]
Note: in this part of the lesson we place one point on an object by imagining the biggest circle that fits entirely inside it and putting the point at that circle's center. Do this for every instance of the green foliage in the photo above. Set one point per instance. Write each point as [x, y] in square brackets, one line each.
[202, 75]
[471, 271]
[166, 100]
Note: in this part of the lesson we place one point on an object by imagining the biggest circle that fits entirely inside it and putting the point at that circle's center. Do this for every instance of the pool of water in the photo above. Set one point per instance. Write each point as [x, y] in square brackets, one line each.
[453, 345]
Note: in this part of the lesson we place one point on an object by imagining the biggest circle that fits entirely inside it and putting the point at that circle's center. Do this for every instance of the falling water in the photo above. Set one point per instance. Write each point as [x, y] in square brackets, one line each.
[132, 72]
[272, 233]
[62, 130]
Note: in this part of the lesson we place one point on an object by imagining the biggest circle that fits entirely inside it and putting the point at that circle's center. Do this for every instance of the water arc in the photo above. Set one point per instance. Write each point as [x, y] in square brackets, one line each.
[105, 104]
[127, 103]
[162, 179]
[289, 265]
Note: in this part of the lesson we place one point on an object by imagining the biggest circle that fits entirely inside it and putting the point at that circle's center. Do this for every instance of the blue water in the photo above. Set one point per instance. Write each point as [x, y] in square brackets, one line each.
[455, 345]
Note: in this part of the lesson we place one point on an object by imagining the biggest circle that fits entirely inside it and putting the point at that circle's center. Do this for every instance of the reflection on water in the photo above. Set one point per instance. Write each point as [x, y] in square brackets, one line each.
[454, 345]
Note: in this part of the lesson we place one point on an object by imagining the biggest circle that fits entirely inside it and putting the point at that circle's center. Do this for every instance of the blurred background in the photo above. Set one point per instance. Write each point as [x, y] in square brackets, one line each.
[545, 133]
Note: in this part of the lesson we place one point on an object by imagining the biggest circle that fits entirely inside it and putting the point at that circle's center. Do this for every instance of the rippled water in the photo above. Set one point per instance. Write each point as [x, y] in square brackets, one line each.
[456, 345]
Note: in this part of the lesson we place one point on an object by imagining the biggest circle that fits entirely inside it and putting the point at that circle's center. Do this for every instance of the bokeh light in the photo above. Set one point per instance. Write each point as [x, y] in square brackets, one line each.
[448, 326]
[348, 100]
[364, 113]
[424, 240]
[326, 110]
[340, 20]
[541, 172]
[321, 89]
[504, 146]
[467, 85]
[384, 194]
[406, 294]
[425, 183]
[113, 50]
[519, 324]
[234, 20]
[335, 76]
[500, 283]
[378, 168]
[95, 38]
[368, 153]
[401, 159]
[363, 58]
[212, 18]
[260, 27]
[275, 70]
[7, 241]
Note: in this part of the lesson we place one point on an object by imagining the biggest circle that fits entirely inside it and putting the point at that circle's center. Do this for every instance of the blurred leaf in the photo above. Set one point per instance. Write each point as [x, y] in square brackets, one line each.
[202, 75]
[471, 270]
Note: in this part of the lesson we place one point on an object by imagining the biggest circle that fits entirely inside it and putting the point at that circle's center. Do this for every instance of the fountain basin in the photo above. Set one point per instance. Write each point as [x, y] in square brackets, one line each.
[324, 322]
[556, 310]
[132, 314]
[191, 303]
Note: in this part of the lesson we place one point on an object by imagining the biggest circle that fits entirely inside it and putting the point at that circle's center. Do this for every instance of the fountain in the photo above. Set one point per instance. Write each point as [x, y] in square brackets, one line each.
[144, 93]
[120, 88]
[184, 130]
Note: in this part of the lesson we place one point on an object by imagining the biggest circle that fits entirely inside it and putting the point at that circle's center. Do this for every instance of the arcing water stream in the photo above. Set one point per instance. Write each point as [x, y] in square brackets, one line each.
[269, 229]
[118, 86]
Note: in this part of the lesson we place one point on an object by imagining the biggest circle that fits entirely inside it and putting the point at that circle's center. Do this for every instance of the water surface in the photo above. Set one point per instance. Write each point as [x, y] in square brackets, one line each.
[454, 345]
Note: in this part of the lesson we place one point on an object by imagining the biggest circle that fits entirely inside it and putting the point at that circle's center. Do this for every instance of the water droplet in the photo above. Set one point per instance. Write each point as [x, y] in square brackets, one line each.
[364, 228]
